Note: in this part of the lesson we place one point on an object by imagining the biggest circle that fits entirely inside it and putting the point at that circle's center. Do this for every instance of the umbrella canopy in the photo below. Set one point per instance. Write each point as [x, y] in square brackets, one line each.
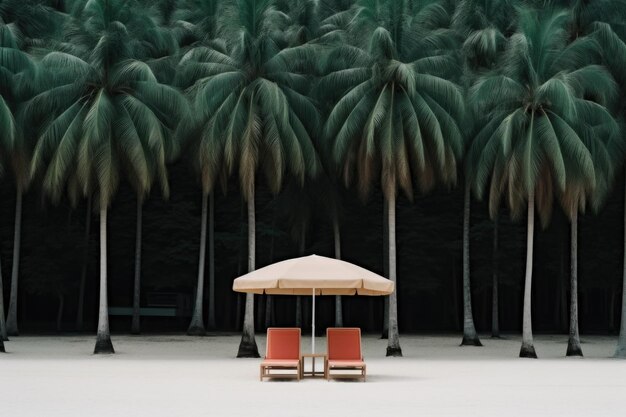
[302, 276]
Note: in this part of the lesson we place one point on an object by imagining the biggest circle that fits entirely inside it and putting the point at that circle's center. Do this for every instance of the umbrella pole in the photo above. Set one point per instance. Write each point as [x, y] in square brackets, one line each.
[313, 325]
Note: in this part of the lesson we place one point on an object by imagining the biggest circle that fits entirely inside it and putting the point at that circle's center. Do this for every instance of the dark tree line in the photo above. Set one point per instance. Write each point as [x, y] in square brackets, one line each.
[419, 138]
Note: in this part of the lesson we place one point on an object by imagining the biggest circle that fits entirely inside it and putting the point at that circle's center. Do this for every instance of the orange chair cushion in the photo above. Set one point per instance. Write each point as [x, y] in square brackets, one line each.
[283, 344]
[346, 364]
[344, 344]
[286, 363]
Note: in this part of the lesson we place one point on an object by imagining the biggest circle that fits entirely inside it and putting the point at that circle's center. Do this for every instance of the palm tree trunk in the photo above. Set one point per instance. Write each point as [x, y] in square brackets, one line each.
[573, 344]
[3, 324]
[556, 306]
[3, 327]
[240, 245]
[620, 350]
[454, 294]
[196, 327]
[385, 332]
[238, 312]
[562, 316]
[211, 301]
[298, 311]
[60, 311]
[528, 349]
[372, 314]
[12, 328]
[103, 338]
[298, 297]
[469, 330]
[337, 241]
[268, 311]
[247, 346]
[83, 272]
[612, 311]
[135, 327]
[269, 302]
[240, 250]
[260, 310]
[495, 310]
[393, 342]
[306, 313]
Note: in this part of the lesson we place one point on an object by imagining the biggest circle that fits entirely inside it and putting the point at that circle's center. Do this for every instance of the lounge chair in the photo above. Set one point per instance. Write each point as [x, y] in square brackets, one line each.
[282, 354]
[344, 353]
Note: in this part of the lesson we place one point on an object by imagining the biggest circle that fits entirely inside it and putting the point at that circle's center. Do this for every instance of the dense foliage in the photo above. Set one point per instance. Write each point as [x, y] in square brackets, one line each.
[306, 114]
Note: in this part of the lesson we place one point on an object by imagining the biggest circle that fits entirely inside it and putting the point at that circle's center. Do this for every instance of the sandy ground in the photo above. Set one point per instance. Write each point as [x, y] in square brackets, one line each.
[183, 376]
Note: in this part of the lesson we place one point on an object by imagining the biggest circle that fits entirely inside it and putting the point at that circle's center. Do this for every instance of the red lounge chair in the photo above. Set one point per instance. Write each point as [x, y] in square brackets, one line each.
[344, 353]
[282, 353]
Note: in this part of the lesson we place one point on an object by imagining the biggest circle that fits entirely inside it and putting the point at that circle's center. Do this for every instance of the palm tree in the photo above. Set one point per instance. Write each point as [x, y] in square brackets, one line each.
[110, 115]
[470, 337]
[528, 145]
[614, 48]
[253, 112]
[18, 23]
[3, 328]
[21, 185]
[196, 22]
[196, 25]
[333, 207]
[584, 16]
[596, 127]
[196, 326]
[484, 24]
[205, 157]
[322, 22]
[8, 142]
[396, 115]
[162, 59]
[304, 26]
[155, 158]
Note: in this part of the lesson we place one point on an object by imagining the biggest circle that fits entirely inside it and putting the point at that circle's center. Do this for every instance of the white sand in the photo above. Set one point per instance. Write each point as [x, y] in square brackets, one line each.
[181, 376]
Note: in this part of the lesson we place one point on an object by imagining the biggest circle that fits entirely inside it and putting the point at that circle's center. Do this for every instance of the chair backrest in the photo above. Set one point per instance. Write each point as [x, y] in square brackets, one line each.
[344, 343]
[283, 343]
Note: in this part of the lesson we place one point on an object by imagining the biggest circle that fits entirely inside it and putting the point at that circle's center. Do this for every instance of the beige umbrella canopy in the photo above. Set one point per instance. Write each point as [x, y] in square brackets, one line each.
[313, 275]
[299, 276]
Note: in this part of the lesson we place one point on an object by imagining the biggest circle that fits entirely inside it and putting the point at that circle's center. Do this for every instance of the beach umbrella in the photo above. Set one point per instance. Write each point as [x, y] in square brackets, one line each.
[313, 275]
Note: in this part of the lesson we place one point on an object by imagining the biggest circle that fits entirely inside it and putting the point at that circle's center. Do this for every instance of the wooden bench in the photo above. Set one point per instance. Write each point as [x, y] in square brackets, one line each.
[144, 311]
